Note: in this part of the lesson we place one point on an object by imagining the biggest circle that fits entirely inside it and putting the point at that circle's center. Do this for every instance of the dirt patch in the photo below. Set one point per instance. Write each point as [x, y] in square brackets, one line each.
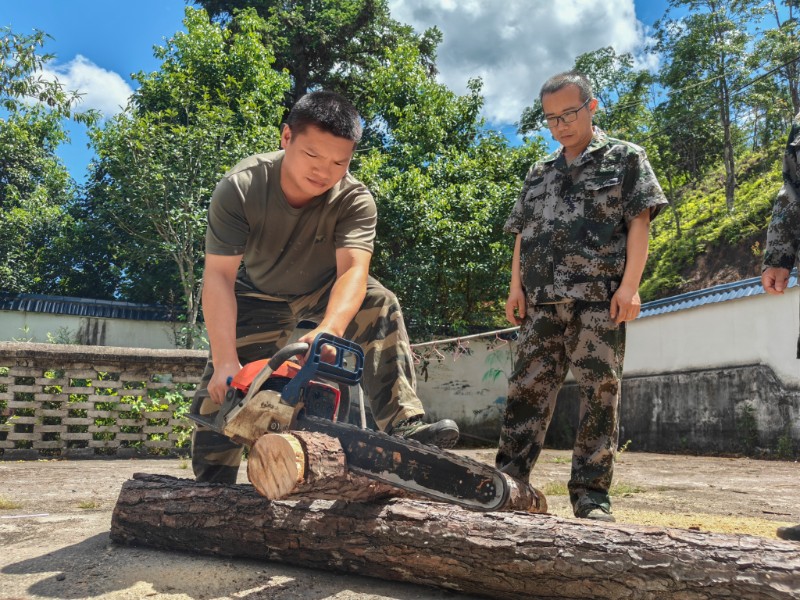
[722, 263]
[55, 517]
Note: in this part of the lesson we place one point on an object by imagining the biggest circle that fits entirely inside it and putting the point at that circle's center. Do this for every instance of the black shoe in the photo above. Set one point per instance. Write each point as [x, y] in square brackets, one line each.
[443, 434]
[598, 513]
[592, 511]
[789, 533]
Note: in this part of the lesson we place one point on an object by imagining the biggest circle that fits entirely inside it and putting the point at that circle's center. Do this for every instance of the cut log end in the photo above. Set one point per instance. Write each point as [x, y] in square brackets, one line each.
[276, 465]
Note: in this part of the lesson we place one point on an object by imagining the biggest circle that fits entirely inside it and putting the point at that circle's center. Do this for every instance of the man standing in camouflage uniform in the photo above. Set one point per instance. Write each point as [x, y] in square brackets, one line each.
[783, 243]
[290, 237]
[582, 227]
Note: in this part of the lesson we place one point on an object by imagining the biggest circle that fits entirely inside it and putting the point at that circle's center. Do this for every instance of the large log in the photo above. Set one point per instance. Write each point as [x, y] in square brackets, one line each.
[509, 555]
[313, 465]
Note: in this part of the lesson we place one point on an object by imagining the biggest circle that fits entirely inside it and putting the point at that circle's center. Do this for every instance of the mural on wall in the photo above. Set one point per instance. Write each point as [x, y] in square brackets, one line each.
[466, 379]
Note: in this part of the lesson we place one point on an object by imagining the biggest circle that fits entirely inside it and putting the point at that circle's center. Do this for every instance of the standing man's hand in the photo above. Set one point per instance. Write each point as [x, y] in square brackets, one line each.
[625, 304]
[218, 386]
[775, 280]
[515, 306]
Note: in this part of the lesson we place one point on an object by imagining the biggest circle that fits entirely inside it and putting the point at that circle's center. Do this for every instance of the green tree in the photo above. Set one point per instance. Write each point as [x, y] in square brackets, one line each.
[444, 187]
[35, 187]
[329, 44]
[775, 95]
[213, 101]
[705, 62]
[22, 80]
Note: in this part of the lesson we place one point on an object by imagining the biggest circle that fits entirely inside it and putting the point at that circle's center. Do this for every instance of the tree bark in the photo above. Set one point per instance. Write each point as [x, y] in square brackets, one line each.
[313, 465]
[497, 555]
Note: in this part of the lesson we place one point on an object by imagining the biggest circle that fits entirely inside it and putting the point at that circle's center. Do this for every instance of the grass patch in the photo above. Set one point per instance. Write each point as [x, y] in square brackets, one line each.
[555, 488]
[561, 460]
[6, 504]
[705, 222]
[88, 504]
[700, 522]
[559, 488]
[626, 489]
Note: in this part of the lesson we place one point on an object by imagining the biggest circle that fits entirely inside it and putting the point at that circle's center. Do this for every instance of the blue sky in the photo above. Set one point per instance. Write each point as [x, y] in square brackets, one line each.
[512, 44]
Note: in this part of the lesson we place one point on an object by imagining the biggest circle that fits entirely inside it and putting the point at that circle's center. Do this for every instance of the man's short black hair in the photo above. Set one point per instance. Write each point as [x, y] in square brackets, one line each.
[562, 80]
[329, 111]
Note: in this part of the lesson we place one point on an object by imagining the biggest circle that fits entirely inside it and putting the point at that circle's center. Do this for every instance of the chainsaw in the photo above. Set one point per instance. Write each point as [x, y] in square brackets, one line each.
[277, 395]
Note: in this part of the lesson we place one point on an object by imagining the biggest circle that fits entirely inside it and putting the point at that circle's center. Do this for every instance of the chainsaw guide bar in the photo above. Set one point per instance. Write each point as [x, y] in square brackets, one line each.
[418, 468]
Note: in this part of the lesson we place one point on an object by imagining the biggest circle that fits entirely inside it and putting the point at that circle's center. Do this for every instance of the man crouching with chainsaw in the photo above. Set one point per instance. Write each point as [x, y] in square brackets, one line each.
[290, 237]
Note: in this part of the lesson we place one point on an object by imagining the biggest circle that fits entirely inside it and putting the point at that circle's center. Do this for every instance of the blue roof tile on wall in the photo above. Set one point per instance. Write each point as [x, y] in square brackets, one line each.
[84, 307]
[712, 295]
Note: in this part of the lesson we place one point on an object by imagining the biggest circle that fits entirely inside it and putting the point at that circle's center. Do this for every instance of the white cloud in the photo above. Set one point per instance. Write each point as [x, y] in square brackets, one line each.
[100, 89]
[515, 45]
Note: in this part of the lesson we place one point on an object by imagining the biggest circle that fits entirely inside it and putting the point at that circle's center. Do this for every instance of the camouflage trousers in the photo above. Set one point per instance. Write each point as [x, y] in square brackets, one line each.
[553, 337]
[266, 323]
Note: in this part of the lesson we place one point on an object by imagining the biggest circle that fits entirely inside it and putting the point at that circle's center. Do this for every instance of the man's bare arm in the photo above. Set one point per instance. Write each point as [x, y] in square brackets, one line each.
[625, 303]
[219, 313]
[347, 294]
[515, 304]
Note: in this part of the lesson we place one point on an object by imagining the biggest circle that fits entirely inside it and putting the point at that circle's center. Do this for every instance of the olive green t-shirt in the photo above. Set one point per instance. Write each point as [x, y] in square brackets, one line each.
[287, 251]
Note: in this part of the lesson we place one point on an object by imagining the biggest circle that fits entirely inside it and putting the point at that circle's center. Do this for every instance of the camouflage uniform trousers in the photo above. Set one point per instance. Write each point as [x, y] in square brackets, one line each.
[553, 337]
[265, 324]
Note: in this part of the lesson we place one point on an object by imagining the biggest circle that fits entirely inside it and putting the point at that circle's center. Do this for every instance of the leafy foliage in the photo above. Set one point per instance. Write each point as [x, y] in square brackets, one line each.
[214, 100]
[22, 81]
[35, 188]
[330, 44]
[707, 224]
[444, 187]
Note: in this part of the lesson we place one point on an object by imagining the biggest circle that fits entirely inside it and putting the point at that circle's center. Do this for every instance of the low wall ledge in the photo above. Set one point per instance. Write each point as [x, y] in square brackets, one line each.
[77, 353]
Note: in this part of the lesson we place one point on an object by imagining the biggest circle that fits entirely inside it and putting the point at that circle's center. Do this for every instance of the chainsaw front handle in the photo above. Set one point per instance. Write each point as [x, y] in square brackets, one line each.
[336, 371]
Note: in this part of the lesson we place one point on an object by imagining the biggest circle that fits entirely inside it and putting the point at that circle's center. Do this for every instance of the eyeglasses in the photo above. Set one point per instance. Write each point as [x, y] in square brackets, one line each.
[567, 117]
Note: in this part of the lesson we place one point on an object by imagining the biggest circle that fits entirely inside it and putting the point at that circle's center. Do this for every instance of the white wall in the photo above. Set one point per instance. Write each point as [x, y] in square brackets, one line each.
[758, 329]
[126, 333]
[754, 330]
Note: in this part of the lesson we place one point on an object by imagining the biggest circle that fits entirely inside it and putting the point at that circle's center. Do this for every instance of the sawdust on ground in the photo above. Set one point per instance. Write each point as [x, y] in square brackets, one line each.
[55, 517]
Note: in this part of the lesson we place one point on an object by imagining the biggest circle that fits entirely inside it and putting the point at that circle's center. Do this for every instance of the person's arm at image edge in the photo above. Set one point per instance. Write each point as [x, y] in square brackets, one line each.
[219, 314]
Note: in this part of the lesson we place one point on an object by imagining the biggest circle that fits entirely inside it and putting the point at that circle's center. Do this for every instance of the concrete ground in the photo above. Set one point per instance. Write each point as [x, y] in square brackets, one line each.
[55, 518]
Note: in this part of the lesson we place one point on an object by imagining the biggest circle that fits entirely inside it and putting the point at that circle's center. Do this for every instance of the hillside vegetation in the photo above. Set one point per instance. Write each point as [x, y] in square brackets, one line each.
[697, 242]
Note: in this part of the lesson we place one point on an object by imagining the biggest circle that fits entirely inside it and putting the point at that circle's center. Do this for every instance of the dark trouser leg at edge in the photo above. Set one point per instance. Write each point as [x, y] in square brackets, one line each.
[789, 533]
[596, 354]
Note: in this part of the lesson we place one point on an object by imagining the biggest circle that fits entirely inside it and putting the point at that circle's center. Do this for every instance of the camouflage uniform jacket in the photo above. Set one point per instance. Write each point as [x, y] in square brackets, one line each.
[783, 235]
[574, 219]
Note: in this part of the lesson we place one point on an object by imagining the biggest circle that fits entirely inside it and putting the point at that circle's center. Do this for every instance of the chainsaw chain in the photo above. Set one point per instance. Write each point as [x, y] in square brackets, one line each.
[422, 469]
